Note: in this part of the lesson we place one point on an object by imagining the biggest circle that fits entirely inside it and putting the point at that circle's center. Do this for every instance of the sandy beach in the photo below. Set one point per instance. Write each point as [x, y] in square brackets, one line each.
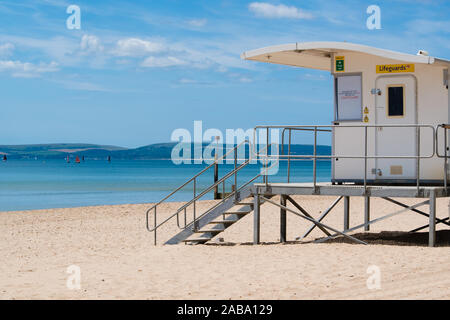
[117, 258]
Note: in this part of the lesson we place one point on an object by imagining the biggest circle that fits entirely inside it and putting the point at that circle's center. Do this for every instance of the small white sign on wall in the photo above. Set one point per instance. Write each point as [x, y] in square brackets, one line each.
[349, 100]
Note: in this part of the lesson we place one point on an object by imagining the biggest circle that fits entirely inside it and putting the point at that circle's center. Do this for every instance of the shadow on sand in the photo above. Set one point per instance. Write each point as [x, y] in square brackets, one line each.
[393, 238]
[397, 238]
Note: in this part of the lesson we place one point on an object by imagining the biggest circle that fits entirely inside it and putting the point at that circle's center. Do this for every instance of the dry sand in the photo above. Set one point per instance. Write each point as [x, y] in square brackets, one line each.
[118, 260]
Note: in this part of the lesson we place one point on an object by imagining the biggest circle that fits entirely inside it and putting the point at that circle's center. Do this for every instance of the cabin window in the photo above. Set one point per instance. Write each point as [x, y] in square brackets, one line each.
[396, 101]
[348, 97]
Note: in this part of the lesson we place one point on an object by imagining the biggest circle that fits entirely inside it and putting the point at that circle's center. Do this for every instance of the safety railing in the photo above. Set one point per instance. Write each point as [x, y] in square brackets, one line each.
[445, 127]
[331, 128]
[197, 196]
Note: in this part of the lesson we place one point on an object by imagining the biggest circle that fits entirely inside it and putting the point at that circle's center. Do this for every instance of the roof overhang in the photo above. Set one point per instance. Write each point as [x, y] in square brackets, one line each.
[317, 55]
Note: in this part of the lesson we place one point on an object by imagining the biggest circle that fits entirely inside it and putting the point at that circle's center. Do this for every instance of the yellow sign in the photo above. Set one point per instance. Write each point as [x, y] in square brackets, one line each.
[366, 110]
[340, 64]
[366, 119]
[395, 68]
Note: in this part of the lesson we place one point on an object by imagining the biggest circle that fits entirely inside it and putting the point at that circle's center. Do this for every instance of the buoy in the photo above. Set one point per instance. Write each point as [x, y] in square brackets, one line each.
[68, 159]
[77, 160]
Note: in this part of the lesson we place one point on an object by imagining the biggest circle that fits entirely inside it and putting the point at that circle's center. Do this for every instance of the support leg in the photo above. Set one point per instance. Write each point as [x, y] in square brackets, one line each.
[283, 219]
[256, 219]
[432, 228]
[346, 213]
[366, 213]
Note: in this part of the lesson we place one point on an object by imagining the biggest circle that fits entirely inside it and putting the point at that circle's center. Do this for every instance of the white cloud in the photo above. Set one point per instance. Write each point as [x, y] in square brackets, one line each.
[134, 47]
[187, 81]
[267, 10]
[90, 44]
[198, 23]
[6, 49]
[26, 69]
[161, 62]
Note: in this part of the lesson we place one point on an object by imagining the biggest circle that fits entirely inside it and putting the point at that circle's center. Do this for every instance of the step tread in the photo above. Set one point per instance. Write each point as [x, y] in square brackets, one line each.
[210, 230]
[223, 221]
[237, 212]
[196, 239]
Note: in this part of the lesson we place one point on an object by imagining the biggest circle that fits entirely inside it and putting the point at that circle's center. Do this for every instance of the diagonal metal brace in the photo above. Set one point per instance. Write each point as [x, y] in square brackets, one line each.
[324, 214]
[299, 207]
[378, 219]
[417, 211]
[314, 221]
[428, 225]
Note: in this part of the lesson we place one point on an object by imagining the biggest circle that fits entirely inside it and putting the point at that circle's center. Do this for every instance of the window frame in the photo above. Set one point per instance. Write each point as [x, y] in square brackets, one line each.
[336, 106]
[387, 100]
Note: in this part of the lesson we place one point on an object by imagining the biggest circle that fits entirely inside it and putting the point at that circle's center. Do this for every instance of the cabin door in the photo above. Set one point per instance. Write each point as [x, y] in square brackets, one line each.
[395, 104]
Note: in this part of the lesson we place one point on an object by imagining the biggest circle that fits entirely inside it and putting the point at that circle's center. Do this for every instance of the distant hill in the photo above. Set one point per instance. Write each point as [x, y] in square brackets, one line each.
[93, 151]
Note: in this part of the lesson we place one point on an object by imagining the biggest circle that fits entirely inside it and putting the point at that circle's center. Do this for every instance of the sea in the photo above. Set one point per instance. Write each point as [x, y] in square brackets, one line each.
[45, 184]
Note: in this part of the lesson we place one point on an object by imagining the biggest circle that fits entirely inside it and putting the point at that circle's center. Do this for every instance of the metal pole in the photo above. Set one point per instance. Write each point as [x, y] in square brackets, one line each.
[256, 218]
[366, 213]
[289, 157]
[154, 228]
[365, 160]
[195, 194]
[216, 178]
[283, 219]
[267, 156]
[445, 163]
[315, 159]
[418, 160]
[346, 213]
[235, 174]
[432, 229]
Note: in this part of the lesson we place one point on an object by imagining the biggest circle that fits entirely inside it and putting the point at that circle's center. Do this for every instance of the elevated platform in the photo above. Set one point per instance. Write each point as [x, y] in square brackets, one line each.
[351, 190]
[265, 191]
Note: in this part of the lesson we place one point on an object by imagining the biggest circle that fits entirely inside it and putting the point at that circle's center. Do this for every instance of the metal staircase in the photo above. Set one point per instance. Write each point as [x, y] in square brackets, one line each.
[223, 214]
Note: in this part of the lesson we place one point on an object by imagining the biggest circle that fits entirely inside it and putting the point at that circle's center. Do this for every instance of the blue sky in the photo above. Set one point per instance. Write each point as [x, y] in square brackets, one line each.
[137, 70]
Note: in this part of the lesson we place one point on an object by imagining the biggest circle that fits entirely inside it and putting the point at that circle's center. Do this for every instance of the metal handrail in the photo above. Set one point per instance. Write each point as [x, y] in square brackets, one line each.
[320, 128]
[203, 193]
[216, 161]
[445, 156]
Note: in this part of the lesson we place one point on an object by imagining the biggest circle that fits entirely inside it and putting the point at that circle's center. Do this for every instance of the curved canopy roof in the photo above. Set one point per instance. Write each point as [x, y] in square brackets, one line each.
[317, 55]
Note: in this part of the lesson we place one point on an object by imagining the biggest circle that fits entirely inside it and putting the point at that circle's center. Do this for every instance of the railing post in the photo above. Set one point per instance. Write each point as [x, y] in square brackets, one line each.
[445, 163]
[289, 157]
[216, 178]
[267, 156]
[315, 160]
[154, 227]
[235, 174]
[365, 160]
[418, 159]
[194, 204]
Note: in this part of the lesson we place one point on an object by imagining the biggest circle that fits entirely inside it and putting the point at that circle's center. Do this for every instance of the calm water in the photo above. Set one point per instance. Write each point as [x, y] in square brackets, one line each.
[37, 184]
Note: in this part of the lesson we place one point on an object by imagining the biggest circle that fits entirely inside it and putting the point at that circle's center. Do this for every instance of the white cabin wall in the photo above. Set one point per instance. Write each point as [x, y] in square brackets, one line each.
[433, 110]
[433, 103]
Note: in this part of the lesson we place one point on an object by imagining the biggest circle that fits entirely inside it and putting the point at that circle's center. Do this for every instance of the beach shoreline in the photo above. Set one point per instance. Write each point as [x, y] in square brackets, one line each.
[117, 259]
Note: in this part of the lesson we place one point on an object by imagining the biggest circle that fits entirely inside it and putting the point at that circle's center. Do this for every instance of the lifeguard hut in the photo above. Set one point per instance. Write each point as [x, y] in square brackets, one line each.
[389, 140]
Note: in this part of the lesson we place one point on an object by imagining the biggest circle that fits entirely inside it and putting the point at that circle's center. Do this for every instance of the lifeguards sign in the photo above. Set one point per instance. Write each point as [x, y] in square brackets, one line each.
[395, 68]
